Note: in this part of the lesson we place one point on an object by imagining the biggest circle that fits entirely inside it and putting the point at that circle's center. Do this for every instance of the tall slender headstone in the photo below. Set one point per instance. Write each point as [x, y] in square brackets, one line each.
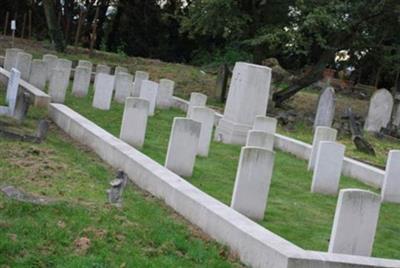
[165, 93]
[38, 75]
[328, 167]
[123, 86]
[321, 134]
[248, 97]
[103, 92]
[149, 92]
[23, 64]
[134, 121]
[10, 60]
[58, 84]
[380, 111]
[81, 82]
[51, 64]
[182, 146]
[326, 108]
[137, 84]
[265, 123]
[391, 181]
[12, 91]
[253, 178]
[196, 99]
[354, 225]
[206, 117]
[262, 139]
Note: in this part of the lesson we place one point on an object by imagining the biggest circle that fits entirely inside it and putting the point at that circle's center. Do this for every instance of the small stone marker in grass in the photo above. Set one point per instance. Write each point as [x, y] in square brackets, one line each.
[81, 82]
[326, 108]
[321, 134]
[134, 121]
[165, 93]
[182, 146]
[38, 75]
[260, 139]
[103, 92]
[355, 222]
[328, 167]
[206, 117]
[253, 178]
[380, 111]
[196, 99]
[391, 181]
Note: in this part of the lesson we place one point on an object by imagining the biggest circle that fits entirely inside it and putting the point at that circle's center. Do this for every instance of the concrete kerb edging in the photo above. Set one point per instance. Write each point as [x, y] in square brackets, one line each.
[352, 168]
[40, 99]
[255, 245]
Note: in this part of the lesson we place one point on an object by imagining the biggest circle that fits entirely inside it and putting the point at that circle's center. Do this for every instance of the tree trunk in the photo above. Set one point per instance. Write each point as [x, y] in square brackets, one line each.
[303, 81]
[55, 32]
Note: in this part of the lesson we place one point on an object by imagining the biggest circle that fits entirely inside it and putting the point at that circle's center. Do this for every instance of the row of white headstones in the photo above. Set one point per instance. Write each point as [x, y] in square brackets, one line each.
[357, 211]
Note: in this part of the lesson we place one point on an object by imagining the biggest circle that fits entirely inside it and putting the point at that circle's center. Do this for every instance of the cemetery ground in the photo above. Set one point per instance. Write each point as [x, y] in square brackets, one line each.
[78, 228]
[307, 217]
[81, 181]
[194, 79]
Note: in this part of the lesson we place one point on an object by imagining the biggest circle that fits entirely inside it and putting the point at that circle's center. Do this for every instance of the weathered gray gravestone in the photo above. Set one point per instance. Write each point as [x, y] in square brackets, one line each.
[51, 63]
[81, 82]
[380, 111]
[326, 108]
[11, 58]
[23, 64]
[38, 75]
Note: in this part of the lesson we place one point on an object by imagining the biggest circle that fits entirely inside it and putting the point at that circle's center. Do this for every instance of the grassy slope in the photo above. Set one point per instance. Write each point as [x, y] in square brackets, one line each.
[144, 233]
[293, 212]
[189, 79]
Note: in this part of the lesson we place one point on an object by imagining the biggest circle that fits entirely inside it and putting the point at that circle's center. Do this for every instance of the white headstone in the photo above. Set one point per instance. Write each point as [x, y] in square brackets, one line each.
[165, 93]
[10, 60]
[51, 63]
[81, 82]
[12, 90]
[182, 146]
[123, 86]
[38, 74]
[101, 68]
[196, 99]
[265, 123]
[391, 181]
[134, 121]
[103, 92]
[380, 111]
[85, 63]
[253, 178]
[257, 138]
[321, 134]
[326, 108]
[120, 69]
[64, 63]
[396, 119]
[58, 85]
[354, 225]
[205, 116]
[248, 97]
[137, 84]
[149, 92]
[328, 168]
[23, 64]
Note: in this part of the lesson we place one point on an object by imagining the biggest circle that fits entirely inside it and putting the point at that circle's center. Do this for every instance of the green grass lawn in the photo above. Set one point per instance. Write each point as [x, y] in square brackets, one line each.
[292, 212]
[143, 233]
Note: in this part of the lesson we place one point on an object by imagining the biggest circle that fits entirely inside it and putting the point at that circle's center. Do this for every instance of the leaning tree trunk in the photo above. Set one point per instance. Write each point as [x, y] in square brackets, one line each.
[303, 81]
[55, 32]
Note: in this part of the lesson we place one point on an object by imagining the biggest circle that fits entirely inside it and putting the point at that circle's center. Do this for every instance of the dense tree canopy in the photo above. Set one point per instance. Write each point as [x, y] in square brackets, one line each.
[304, 35]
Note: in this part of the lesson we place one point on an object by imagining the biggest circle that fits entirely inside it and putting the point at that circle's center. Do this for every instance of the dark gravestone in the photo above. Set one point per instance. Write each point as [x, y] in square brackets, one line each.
[117, 188]
[325, 109]
[222, 82]
[357, 135]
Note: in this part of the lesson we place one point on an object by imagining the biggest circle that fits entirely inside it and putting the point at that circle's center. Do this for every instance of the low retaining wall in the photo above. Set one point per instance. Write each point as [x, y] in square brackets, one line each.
[255, 245]
[40, 99]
